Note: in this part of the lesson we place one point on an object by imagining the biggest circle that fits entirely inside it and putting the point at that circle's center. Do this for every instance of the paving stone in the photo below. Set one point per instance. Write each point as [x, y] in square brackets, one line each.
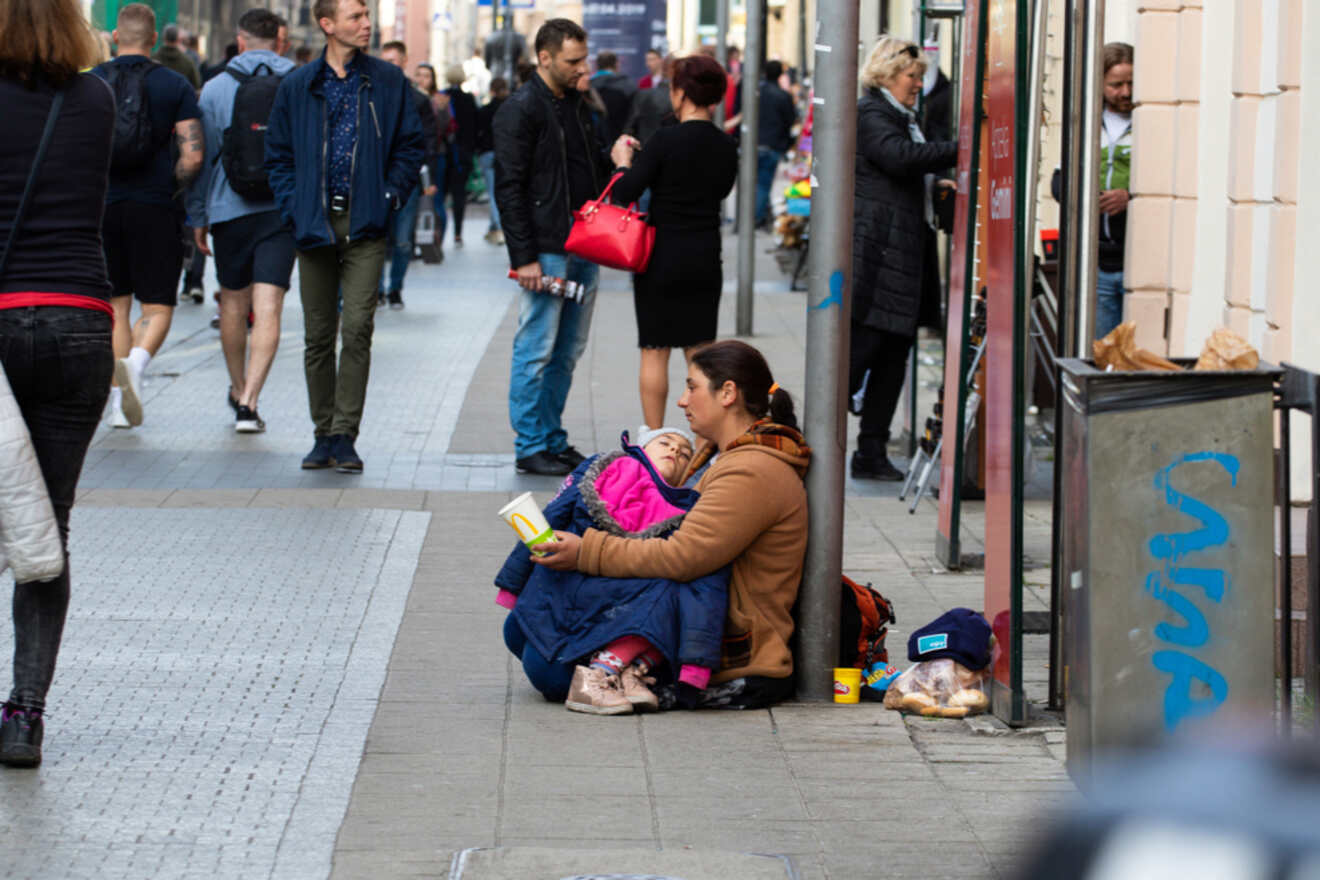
[519, 863]
[198, 720]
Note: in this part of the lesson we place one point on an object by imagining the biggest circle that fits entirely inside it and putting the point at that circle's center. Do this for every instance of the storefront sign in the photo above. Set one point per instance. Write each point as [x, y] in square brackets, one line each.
[628, 28]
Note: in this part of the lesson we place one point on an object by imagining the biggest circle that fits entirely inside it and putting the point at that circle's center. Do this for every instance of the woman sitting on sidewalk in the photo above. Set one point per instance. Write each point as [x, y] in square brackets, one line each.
[752, 514]
[559, 617]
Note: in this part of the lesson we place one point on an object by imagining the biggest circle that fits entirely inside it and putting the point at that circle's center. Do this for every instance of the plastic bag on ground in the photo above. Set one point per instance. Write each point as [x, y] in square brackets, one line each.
[943, 688]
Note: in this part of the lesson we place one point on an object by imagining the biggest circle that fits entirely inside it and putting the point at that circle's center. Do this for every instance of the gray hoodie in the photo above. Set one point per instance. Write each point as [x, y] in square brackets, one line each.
[210, 200]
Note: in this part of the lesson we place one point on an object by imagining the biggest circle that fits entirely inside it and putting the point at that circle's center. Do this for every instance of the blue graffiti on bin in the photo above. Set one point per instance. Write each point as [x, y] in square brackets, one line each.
[1172, 550]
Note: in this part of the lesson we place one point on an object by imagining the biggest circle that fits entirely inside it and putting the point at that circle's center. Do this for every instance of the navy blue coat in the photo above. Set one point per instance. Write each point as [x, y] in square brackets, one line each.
[389, 153]
[569, 615]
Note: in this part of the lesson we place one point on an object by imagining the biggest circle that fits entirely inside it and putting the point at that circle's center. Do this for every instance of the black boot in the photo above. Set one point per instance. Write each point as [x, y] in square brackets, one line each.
[871, 462]
[20, 736]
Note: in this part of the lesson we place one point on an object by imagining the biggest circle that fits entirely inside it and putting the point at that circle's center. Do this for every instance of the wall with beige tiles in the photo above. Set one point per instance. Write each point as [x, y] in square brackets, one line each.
[1221, 230]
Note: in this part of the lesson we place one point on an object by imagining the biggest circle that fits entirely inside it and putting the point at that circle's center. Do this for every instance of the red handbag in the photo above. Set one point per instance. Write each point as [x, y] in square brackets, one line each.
[611, 236]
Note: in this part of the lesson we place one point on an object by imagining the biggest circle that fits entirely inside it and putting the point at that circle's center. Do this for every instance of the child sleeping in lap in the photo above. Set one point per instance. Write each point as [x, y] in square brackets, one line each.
[565, 618]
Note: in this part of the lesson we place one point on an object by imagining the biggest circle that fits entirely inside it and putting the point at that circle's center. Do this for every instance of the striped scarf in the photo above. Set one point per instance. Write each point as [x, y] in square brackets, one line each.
[763, 432]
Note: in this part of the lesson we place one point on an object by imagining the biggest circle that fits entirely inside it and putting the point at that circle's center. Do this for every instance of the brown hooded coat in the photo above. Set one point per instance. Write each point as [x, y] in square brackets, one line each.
[752, 513]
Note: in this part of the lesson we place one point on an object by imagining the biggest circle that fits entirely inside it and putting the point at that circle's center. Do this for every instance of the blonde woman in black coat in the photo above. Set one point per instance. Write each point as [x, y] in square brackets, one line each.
[895, 270]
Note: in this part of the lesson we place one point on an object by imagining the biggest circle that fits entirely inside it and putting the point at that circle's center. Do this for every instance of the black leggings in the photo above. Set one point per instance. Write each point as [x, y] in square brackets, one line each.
[885, 354]
[59, 362]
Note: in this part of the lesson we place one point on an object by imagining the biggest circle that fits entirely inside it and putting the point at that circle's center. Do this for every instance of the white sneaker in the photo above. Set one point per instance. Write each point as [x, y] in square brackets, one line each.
[131, 385]
[118, 419]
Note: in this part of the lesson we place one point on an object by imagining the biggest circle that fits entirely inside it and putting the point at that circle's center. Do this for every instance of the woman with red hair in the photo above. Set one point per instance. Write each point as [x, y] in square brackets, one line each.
[689, 168]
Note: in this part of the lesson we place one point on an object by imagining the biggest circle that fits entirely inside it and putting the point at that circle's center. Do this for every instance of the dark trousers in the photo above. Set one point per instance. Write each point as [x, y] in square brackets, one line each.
[550, 678]
[194, 262]
[885, 355]
[459, 167]
[58, 361]
[346, 274]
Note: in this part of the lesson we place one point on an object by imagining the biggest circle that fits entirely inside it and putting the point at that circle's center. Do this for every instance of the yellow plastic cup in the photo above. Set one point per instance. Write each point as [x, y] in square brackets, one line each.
[847, 685]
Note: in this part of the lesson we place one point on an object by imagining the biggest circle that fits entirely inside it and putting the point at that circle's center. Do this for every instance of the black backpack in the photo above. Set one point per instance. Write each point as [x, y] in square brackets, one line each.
[134, 140]
[243, 150]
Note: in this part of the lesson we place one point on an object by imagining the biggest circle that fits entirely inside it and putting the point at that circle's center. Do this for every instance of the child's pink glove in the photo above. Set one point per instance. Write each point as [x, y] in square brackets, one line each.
[507, 600]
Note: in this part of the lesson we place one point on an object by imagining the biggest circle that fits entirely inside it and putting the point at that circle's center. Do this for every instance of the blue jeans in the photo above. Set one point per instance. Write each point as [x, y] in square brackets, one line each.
[58, 360]
[439, 164]
[1108, 301]
[767, 162]
[486, 162]
[551, 336]
[402, 227]
[550, 678]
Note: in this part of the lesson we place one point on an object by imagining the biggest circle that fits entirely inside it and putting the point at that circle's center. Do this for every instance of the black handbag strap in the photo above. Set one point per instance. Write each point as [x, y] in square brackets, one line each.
[23, 201]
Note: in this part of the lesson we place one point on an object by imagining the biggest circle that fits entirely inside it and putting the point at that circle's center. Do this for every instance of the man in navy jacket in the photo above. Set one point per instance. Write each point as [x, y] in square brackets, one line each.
[343, 149]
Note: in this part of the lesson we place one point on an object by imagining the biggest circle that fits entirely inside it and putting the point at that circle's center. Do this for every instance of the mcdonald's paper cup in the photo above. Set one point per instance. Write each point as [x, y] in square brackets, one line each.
[524, 515]
[847, 685]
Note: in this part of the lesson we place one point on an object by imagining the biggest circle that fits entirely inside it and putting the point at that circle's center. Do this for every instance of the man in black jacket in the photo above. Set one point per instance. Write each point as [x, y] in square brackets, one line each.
[616, 90]
[499, 93]
[404, 220]
[547, 163]
[774, 135]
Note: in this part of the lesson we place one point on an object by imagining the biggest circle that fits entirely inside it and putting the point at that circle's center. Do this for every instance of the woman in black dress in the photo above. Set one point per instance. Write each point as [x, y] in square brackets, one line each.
[689, 168]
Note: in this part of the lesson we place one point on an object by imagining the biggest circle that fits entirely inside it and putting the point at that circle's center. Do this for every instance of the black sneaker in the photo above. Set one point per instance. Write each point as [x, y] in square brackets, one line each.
[570, 456]
[380, 299]
[865, 467]
[544, 464]
[233, 401]
[20, 736]
[322, 454]
[246, 421]
[346, 457]
[396, 300]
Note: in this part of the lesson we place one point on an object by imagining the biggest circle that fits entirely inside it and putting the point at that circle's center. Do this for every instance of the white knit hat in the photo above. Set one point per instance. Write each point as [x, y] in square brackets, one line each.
[645, 435]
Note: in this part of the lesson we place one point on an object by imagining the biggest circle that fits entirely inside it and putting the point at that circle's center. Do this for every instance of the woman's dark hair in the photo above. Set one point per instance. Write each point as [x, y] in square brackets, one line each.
[46, 39]
[701, 79]
[731, 360]
[432, 88]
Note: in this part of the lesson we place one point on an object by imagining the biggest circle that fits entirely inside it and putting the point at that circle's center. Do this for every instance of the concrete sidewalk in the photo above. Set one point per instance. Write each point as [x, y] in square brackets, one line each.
[463, 753]
[279, 673]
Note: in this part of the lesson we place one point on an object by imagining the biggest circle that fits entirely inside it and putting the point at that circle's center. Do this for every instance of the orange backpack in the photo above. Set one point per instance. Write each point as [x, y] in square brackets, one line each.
[863, 625]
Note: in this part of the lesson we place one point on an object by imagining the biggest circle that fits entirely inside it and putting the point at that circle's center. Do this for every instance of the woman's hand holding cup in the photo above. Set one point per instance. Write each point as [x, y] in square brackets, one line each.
[561, 554]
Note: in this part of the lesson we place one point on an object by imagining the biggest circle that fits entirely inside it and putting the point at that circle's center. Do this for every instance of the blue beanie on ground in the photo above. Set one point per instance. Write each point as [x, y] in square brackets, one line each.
[960, 634]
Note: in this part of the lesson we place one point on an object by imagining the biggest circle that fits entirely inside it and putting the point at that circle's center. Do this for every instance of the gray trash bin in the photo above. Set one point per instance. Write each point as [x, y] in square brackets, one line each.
[1167, 552]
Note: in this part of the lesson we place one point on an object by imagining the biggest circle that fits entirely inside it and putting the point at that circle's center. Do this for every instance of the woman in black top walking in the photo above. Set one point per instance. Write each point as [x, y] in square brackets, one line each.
[55, 313]
[689, 168]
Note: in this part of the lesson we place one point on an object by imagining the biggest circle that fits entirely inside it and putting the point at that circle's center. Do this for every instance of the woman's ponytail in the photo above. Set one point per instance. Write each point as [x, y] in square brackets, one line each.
[731, 360]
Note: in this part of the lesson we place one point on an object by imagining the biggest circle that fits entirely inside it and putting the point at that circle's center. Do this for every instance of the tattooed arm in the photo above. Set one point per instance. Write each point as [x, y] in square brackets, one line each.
[192, 149]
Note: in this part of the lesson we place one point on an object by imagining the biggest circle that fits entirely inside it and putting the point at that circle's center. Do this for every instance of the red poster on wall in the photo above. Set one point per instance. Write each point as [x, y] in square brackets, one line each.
[1003, 505]
[961, 272]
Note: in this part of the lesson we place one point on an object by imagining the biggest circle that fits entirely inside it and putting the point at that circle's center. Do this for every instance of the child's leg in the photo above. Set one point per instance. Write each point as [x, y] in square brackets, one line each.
[620, 652]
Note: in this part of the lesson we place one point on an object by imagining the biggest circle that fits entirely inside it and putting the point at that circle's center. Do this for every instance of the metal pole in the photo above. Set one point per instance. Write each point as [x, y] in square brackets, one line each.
[1088, 186]
[752, 52]
[721, 48]
[829, 298]
[802, 40]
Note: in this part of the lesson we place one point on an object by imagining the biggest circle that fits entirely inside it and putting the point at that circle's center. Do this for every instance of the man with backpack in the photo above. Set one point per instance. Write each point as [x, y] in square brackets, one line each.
[232, 200]
[343, 150]
[142, 228]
